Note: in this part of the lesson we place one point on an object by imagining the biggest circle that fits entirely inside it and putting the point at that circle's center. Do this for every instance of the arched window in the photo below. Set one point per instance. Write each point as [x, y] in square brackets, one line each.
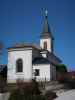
[19, 65]
[45, 45]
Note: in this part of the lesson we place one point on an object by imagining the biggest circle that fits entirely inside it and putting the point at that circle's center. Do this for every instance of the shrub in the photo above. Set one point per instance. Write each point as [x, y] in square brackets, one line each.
[50, 95]
[23, 95]
[2, 84]
[27, 91]
[70, 83]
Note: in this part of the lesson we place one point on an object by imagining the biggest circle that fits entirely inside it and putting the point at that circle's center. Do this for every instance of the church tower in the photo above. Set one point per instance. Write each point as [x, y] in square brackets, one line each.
[46, 38]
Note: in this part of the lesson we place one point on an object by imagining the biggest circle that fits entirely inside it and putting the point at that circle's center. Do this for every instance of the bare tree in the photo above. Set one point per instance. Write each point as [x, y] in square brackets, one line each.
[1, 49]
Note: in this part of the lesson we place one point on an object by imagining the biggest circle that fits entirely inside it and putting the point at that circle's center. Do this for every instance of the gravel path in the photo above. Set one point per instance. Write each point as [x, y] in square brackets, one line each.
[4, 96]
[69, 95]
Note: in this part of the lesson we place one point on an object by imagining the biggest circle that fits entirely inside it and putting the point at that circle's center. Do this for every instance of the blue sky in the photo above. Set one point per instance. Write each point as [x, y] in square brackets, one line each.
[22, 21]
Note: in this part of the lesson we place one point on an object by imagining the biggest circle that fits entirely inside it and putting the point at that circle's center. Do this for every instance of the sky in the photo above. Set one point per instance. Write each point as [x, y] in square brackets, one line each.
[22, 21]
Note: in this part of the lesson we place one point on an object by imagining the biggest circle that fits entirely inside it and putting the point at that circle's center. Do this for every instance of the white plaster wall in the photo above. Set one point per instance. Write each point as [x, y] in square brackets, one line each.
[49, 44]
[26, 56]
[44, 72]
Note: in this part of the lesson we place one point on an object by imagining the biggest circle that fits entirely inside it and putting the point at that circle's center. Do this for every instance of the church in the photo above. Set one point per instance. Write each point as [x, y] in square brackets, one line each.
[28, 61]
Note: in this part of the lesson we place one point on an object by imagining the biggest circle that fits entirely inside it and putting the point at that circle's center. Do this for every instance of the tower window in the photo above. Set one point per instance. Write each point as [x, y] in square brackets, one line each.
[45, 45]
[19, 65]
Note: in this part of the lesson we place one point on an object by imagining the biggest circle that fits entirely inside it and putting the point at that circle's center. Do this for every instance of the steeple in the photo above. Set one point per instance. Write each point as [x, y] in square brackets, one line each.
[46, 38]
[46, 29]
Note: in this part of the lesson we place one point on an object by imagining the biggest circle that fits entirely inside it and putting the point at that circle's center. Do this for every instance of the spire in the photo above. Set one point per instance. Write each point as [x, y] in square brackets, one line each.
[46, 29]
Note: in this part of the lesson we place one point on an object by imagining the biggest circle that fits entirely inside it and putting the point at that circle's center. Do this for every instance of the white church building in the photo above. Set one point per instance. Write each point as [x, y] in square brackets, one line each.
[28, 61]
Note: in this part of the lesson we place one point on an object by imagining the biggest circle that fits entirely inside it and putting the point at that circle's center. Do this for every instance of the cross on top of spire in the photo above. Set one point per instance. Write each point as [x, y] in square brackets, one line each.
[46, 12]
